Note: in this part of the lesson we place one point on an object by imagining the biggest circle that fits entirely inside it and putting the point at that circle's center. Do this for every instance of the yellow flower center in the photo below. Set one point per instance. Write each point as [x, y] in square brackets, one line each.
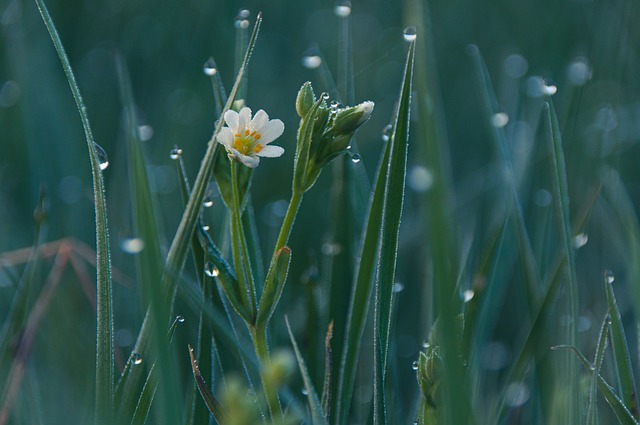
[247, 142]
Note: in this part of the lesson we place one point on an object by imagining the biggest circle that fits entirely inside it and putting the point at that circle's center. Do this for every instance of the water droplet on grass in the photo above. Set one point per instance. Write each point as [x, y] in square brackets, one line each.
[414, 365]
[609, 276]
[175, 153]
[136, 358]
[580, 240]
[579, 72]
[242, 19]
[549, 89]
[145, 132]
[210, 67]
[305, 392]
[211, 270]
[180, 319]
[398, 287]
[499, 120]
[420, 178]
[355, 158]
[342, 9]
[410, 33]
[386, 132]
[102, 156]
[468, 295]
[207, 202]
[311, 58]
[132, 245]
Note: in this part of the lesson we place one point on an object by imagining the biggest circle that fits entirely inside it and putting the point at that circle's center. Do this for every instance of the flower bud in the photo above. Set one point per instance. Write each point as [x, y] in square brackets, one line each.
[305, 99]
[348, 120]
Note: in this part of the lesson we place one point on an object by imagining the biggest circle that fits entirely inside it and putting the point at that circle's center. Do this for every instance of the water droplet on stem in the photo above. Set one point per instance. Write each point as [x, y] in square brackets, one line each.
[102, 156]
[175, 153]
[211, 270]
[342, 9]
[210, 67]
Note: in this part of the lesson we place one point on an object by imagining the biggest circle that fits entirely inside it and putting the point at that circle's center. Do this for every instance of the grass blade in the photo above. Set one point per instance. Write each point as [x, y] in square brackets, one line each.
[619, 409]
[273, 286]
[317, 414]
[104, 337]
[388, 251]
[562, 196]
[213, 405]
[592, 409]
[621, 352]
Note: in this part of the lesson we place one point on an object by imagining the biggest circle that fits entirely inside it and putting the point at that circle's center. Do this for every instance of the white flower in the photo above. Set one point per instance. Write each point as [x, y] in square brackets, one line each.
[248, 139]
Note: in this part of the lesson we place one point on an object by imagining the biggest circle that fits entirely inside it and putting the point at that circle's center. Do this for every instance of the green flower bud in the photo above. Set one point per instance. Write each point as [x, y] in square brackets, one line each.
[348, 120]
[305, 100]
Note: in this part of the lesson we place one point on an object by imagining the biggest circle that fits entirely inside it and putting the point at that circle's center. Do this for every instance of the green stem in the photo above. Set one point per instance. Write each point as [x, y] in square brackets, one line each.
[239, 246]
[289, 218]
[259, 338]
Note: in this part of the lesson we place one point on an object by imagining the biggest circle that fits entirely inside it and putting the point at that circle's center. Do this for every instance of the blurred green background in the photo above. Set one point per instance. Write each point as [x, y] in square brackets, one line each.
[588, 49]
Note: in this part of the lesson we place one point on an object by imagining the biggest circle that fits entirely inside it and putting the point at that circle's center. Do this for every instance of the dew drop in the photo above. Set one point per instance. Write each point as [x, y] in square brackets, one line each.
[180, 319]
[409, 33]
[305, 392]
[425, 344]
[132, 245]
[242, 19]
[468, 295]
[311, 58]
[175, 153]
[342, 9]
[549, 89]
[499, 120]
[609, 277]
[386, 132]
[102, 156]
[580, 240]
[355, 158]
[516, 394]
[136, 358]
[205, 228]
[414, 365]
[579, 72]
[331, 248]
[398, 287]
[145, 132]
[419, 178]
[211, 270]
[210, 67]
[207, 202]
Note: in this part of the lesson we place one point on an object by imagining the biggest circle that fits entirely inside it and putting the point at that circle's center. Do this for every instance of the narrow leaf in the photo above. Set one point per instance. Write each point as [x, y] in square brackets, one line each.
[621, 352]
[592, 409]
[388, 252]
[104, 302]
[317, 415]
[273, 286]
[213, 405]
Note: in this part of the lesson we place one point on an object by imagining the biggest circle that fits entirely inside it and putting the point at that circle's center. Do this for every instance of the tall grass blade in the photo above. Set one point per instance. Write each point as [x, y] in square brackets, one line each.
[388, 250]
[317, 415]
[621, 354]
[592, 409]
[619, 409]
[561, 192]
[104, 337]
[212, 403]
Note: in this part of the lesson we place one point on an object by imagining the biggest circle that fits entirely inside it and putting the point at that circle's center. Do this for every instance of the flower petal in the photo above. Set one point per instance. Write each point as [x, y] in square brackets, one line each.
[249, 161]
[271, 151]
[271, 131]
[225, 137]
[261, 118]
[231, 118]
[244, 118]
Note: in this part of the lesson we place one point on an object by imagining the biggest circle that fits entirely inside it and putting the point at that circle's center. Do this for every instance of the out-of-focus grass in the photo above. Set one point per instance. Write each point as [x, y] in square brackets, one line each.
[469, 229]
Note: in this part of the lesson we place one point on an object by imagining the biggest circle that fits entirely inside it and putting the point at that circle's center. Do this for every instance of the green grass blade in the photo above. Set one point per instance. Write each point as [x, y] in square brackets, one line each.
[619, 409]
[317, 415]
[104, 302]
[273, 286]
[561, 192]
[621, 352]
[592, 409]
[388, 252]
[212, 404]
